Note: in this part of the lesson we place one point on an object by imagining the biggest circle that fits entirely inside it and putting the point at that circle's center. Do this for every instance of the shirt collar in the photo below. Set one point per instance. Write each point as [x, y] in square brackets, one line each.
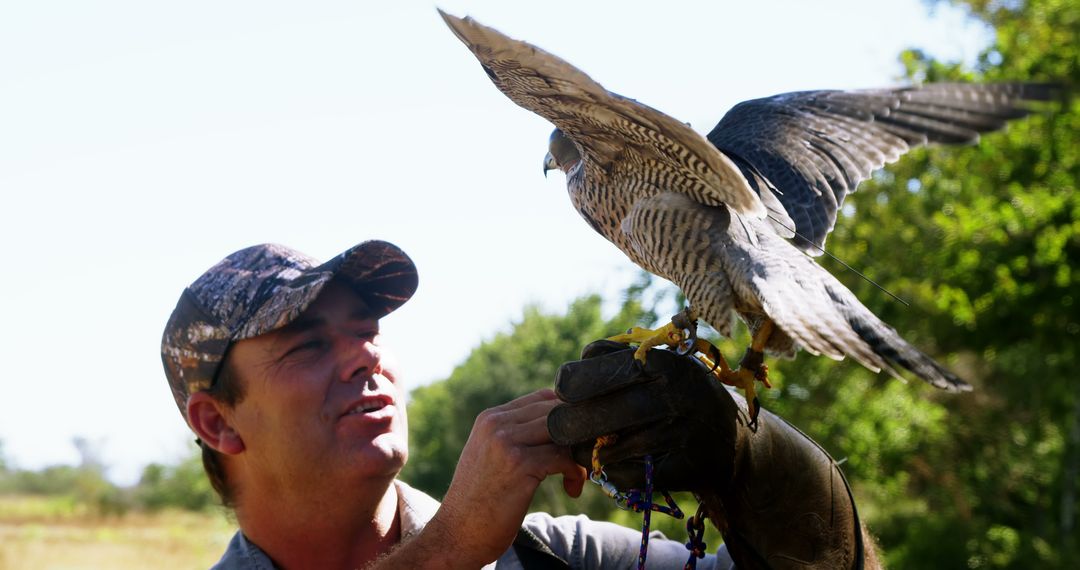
[415, 509]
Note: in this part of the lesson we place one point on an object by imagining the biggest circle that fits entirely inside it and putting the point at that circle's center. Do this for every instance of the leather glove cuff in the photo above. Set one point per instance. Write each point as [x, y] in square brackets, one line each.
[788, 504]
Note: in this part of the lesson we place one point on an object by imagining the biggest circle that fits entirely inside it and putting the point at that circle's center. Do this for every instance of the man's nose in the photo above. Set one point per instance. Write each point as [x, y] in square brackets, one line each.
[360, 358]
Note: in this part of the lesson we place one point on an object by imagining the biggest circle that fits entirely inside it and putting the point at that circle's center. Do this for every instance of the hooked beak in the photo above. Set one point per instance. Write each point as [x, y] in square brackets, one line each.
[549, 164]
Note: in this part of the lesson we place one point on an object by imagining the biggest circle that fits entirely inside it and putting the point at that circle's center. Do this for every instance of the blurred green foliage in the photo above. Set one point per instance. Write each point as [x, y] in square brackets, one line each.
[984, 242]
[181, 486]
[84, 484]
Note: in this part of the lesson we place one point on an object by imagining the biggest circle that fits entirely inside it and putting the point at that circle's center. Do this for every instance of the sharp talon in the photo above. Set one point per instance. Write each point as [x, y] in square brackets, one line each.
[755, 410]
[714, 354]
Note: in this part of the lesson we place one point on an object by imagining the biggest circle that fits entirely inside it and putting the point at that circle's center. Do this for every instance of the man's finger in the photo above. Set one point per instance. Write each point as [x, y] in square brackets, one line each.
[574, 483]
[551, 459]
[532, 432]
[530, 409]
[544, 394]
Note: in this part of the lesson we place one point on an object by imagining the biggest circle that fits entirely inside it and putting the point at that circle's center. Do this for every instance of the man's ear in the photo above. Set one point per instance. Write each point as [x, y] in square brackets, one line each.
[207, 417]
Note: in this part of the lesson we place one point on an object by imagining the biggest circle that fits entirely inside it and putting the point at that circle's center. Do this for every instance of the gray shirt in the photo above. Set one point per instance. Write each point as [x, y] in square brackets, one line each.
[581, 542]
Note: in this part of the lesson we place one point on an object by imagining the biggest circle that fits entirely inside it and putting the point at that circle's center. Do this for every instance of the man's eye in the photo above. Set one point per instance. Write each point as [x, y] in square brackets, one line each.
[306, 346]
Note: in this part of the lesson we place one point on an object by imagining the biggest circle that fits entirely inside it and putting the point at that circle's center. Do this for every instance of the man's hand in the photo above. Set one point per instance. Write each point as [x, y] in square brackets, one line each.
[508, 454]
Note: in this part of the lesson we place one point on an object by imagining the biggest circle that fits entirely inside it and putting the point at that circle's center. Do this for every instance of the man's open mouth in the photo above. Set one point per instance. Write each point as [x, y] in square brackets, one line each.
[368, 405]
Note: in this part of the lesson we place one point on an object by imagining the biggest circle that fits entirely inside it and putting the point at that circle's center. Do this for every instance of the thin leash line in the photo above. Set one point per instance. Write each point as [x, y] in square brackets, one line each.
[840, 261]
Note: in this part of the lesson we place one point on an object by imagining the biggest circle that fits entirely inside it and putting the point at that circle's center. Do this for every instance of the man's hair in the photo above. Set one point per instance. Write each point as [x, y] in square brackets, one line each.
[227, 389]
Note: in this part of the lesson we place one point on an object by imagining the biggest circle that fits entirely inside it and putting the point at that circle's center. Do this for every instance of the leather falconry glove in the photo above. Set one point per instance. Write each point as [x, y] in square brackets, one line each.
[776, 496]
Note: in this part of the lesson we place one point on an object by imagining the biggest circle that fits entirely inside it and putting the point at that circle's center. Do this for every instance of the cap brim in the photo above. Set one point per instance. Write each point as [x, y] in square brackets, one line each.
[380, 272]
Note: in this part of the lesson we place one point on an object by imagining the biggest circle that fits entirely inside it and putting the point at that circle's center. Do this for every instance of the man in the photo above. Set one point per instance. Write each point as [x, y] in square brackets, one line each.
[275, 363]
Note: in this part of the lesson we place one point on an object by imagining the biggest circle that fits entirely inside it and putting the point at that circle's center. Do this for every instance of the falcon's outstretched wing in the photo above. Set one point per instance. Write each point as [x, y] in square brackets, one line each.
[814, 147]
[687, 210]
[608, 129]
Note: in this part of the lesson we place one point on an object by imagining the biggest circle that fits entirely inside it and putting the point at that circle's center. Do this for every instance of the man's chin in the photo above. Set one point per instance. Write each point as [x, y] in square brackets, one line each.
[385, 455]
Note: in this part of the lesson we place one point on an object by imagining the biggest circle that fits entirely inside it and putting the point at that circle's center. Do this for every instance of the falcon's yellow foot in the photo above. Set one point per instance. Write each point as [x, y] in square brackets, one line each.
[681, 332]
[744, 379]
[752, 368]
[647, 339]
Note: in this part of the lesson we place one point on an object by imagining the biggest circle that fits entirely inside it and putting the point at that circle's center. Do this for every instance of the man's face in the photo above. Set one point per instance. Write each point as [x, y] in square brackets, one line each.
[321, 404]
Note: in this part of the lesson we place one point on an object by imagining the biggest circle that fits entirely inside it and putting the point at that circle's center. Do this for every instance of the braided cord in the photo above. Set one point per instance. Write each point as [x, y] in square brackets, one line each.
[641, 501]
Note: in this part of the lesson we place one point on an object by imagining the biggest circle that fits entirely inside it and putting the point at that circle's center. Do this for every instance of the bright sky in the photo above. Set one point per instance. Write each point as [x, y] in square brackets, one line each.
[141, 142]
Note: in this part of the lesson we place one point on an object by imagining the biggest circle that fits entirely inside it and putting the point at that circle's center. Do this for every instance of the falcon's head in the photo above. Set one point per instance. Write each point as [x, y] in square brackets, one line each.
[562, 153]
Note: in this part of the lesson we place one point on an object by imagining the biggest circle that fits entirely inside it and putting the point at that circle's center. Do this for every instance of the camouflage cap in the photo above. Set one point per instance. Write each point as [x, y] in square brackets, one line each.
[263, 288]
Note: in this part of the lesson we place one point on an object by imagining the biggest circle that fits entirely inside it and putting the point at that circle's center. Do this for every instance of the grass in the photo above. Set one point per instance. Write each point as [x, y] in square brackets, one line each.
[51, 532]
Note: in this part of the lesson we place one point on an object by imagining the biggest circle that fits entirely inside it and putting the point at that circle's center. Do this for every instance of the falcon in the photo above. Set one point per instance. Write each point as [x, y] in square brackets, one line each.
[736, 218]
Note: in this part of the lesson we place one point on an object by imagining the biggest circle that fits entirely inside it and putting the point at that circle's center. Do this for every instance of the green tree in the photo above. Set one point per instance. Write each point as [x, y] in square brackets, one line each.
[91, 487]
[182, 485]
[983, 242]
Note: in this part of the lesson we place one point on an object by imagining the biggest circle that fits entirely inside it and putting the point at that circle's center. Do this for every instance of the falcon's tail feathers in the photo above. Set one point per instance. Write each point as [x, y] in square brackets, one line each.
[887, 343]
